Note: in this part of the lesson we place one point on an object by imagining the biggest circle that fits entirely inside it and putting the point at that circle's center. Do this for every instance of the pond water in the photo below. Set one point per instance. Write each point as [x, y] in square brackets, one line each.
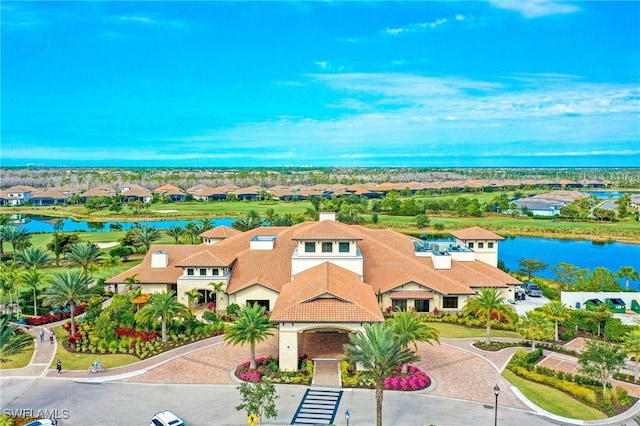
[46, 224]
[583, 254]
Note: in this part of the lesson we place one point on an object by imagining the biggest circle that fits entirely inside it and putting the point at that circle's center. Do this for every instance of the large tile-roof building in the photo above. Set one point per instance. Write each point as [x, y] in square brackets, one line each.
[326, 275]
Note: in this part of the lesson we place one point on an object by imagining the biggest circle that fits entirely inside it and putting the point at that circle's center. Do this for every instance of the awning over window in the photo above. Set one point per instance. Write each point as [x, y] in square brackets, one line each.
[411, 295]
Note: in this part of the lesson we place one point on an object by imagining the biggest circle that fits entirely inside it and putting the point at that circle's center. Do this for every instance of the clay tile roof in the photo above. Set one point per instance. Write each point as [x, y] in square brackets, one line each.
[476, 233]
[326, 293]
[169, 189]
[147, 274]
[221, 231]
[326, 230]
[411, 295]
[205, 258]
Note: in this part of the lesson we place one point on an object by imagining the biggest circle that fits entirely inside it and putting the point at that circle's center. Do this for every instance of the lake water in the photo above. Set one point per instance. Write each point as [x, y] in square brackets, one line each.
[583, 254]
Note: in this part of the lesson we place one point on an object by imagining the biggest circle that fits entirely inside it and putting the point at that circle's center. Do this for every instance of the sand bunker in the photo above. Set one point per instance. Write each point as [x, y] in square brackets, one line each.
[106, 245]
[164, 211]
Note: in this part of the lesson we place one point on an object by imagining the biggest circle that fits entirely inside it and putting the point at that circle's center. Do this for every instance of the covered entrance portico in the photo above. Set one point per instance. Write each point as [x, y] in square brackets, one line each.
[316, 340]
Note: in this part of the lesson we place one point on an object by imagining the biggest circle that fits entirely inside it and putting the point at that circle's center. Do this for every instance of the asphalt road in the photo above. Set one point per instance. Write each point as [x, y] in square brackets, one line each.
[131, 404]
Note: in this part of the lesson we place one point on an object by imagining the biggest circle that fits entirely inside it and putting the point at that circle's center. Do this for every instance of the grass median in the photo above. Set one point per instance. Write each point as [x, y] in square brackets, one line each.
[19, 360]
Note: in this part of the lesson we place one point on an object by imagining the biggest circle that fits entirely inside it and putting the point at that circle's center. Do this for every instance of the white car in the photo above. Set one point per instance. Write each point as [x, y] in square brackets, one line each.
[166, 418]
[42, 422]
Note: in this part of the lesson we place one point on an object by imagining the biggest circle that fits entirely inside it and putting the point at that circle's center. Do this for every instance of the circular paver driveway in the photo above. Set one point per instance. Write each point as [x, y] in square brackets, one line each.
[456, 371]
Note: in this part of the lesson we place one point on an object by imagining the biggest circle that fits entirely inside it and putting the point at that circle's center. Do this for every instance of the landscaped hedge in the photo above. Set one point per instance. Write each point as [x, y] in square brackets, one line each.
[53, 317]
[269, 367]
[413, 380]
[581, 392]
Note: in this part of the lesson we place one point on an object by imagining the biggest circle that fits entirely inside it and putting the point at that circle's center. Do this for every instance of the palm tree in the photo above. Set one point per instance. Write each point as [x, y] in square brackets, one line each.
[146, 235]
[282, 220]
[32, 279]
[18, 237]
[5, 221]
[379, 352]
[84, 255]
[162, 306]
[192, 295]
[69, 288]
[192, 230]
[556, 311]
[246, 223]
[33, 257]
[628, 273]
[631, 346]
[8, 282]
[112, 262]
[130, 281]
[410, 329]
[534, 325]
[175, 232]
[252, 326]
[11, 341]
[218, 289]
[489, 304]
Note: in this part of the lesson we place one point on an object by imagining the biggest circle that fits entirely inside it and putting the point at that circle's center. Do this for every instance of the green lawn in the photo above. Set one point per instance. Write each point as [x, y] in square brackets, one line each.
[457, 331]
[82, 361]
[20, 360]
[553, 400]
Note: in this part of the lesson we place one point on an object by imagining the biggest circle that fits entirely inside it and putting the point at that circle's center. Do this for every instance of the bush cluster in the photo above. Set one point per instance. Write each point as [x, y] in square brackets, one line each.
[267, 367]
[414, 379]
[56, 316]
[581, 392]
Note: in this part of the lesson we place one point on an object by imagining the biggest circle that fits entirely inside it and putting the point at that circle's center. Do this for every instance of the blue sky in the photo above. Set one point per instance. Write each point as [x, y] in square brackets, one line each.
[431, 84]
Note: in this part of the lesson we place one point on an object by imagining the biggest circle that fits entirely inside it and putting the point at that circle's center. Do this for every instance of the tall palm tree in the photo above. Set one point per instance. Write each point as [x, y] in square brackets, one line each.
[534, 325]
[146, 235]
[192, 295]
[69, 288]
[18, 237]
[628, 273]
[631, 346]
[8, 283]
[192, 230]
[176, 232]
[11, 341]
[112, 262]
[164, 307]
[84, 255]
[556, 311]
[379, 352]
[252, 326]
[489, 304]
[33, 257]
[130, 281]
[218, 289]
[410, 329]
[33, 279]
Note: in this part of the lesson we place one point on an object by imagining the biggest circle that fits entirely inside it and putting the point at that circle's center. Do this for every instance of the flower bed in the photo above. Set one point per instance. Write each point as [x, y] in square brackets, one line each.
[414, 379]
[58, 316]
[268, 367]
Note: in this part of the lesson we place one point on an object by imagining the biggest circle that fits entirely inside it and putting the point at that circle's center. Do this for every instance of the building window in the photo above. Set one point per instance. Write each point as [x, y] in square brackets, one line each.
[422, 305]
[203, 271]
[343, 247]
[480, 245]
[450, 302]
[264, 303]
[470, 245]
[399, 304]
[327, 247]
[490, 245]
[309, 247]
[189, 271]
[216, 271]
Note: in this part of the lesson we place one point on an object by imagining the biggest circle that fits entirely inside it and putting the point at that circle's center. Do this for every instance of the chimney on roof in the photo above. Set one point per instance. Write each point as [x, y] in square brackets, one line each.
[328, 216]
[159, 259]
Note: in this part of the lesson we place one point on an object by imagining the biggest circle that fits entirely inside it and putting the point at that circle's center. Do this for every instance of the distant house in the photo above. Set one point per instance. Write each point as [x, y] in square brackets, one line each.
[173, 192]
[16, 195]
[98, 191]
[49, 197]
[136, 193]
[217, 234]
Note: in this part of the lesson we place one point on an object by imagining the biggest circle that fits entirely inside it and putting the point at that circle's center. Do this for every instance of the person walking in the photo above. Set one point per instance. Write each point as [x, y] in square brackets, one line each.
[59, 367]
[51, 336]
[41, 335]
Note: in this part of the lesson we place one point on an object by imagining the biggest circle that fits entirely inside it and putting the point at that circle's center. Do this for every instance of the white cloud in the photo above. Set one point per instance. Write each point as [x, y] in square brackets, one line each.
[536, 8]
[415, 27]
[322, 64]
[149, 21]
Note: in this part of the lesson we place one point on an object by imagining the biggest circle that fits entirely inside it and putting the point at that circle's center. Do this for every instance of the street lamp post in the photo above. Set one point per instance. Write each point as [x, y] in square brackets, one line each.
[347, 416]
[496, 390]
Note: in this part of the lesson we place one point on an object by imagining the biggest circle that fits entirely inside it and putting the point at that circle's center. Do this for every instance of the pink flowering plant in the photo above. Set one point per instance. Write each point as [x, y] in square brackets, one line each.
[413, 380]
[269, 367]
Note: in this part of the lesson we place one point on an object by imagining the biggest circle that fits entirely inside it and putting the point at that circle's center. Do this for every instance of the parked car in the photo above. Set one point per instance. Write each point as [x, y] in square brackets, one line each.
[166, 418]
[42, 422]
[532, 290]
